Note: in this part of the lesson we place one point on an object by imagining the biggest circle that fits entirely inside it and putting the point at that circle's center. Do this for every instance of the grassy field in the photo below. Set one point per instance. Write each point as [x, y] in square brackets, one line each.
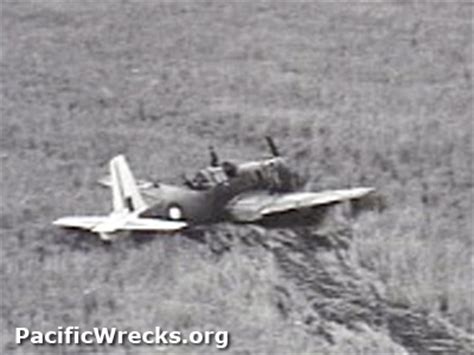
[355, 94]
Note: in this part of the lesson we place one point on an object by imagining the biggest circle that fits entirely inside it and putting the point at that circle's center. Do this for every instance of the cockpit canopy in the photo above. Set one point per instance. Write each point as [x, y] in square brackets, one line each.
[209, 177]
[270, 173]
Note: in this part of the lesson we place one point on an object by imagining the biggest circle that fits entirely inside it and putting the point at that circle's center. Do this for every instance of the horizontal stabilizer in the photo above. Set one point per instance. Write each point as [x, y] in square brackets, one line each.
[112, 224]
[80, 222]
[106, 181]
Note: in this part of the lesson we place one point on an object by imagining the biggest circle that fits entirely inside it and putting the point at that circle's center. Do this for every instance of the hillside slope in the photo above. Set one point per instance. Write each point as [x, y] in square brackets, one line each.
[355, 94]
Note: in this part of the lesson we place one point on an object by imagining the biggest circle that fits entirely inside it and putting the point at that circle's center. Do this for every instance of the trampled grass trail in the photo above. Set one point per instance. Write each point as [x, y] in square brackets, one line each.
[360, 94]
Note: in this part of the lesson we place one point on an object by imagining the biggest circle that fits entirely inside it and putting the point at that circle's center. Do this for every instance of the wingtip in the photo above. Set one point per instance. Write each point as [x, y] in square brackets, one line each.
[105, 181]
[178, 225]
[57, 222]
[363, 191]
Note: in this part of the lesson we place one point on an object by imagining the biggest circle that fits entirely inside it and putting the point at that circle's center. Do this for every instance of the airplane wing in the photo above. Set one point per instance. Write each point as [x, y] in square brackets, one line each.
[153, 224]
[79, 222]
[252, 207]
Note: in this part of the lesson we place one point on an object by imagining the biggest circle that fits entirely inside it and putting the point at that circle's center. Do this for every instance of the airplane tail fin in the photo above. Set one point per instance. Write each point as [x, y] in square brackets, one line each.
[125, 193]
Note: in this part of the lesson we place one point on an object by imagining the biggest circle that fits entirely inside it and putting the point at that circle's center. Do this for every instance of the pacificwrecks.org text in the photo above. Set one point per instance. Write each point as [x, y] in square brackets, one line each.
[74, 335]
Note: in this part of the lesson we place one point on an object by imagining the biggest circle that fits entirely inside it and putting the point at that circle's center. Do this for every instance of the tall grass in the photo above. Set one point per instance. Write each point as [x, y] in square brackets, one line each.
[377, 95]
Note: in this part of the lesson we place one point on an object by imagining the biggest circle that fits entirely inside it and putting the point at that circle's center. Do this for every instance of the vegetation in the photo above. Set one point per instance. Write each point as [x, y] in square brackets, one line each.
[361, 94]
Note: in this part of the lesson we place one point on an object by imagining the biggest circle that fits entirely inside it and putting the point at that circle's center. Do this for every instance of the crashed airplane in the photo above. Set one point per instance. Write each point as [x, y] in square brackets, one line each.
[248, 192]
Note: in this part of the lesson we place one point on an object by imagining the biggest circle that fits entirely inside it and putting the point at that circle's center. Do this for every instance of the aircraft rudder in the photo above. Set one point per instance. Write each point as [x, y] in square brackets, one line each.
[124, 186]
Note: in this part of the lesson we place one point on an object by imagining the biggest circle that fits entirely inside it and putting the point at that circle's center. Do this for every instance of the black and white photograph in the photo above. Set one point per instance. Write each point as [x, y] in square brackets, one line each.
[236, 177]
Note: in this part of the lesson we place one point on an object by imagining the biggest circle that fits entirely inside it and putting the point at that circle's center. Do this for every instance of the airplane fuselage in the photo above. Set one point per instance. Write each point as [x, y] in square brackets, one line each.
[214, 188]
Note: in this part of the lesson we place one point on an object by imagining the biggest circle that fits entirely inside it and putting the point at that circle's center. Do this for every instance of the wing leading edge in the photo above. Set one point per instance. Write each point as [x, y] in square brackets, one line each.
[253, 207]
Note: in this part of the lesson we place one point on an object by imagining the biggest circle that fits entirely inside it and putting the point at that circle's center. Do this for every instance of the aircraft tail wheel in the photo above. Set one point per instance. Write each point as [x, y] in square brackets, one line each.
[175, 212]
[106, 237]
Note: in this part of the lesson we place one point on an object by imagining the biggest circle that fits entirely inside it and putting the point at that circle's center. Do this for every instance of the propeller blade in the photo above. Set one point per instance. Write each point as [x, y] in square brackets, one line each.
[273, 147]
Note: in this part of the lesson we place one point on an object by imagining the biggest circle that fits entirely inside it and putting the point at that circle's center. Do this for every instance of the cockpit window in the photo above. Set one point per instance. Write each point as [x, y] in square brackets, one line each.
[209, 177]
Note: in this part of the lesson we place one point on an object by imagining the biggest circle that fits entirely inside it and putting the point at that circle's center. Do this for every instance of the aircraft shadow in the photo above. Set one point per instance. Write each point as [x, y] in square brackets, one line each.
[305, 218]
